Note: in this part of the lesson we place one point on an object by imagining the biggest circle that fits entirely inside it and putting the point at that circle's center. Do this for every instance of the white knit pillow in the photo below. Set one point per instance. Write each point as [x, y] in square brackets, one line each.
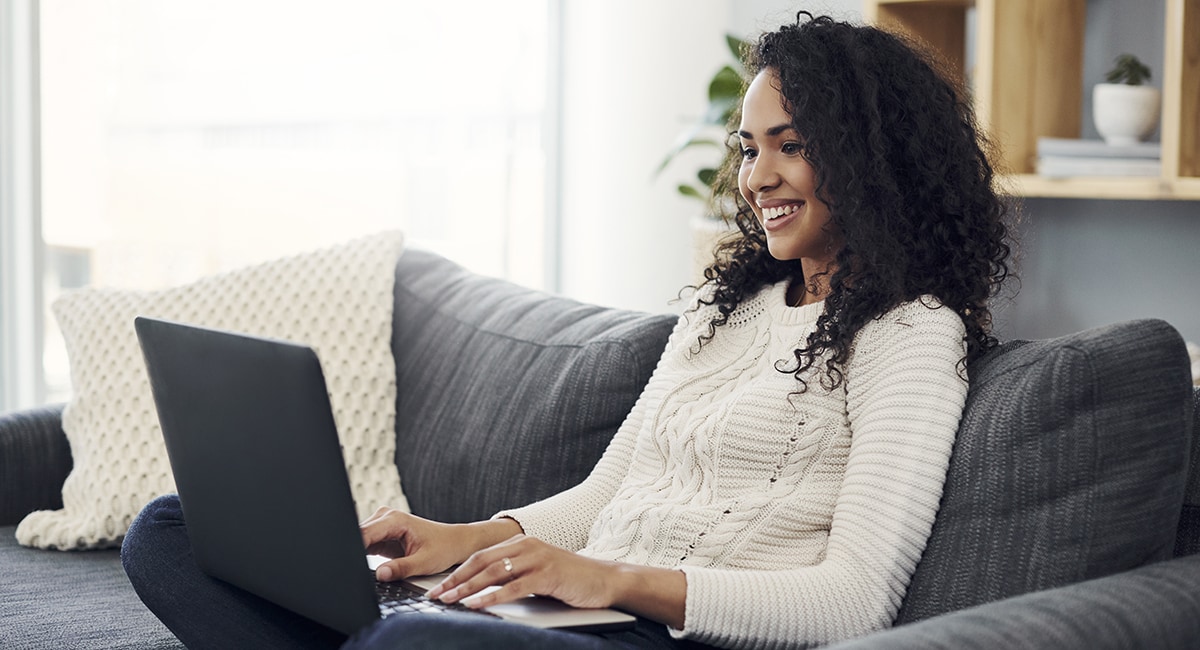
[337, 300]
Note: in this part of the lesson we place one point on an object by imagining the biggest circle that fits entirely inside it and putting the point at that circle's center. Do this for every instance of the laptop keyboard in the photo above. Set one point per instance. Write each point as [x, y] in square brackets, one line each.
[399, 598]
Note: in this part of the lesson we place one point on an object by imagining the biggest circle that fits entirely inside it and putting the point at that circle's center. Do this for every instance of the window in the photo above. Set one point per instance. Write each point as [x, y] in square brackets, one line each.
[183, 139]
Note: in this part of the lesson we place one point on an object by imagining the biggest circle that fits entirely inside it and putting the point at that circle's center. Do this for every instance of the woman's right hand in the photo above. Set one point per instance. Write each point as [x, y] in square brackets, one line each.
[420, 546]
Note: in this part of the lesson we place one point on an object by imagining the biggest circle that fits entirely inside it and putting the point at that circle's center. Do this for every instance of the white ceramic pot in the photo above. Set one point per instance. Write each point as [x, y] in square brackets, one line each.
[1124, 114]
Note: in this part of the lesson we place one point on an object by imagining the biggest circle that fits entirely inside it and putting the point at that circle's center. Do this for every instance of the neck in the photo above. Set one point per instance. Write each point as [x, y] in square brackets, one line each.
[814, 287]
[798, 295]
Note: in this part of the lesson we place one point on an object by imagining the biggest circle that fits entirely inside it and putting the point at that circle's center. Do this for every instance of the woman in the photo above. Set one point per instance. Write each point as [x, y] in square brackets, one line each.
[777, 481]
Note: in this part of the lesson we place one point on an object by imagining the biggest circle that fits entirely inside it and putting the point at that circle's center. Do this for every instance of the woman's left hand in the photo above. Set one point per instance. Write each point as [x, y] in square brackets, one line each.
[524, 565]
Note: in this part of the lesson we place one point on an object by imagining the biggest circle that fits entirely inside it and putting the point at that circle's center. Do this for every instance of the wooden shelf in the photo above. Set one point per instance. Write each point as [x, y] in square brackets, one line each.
[1103, 187]
[1026, 82]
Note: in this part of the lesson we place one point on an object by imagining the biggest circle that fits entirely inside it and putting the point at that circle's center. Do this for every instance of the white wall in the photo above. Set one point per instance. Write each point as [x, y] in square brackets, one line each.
[751, 17]
[635, 73]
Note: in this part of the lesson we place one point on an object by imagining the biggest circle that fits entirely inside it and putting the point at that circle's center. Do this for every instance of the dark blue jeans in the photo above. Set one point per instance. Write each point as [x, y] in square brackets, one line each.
[208, 613]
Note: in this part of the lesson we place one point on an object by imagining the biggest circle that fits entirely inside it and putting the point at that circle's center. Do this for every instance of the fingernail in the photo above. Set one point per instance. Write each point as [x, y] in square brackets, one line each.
[383, 573]
[472, 602]
[436, 590]
[449, 596]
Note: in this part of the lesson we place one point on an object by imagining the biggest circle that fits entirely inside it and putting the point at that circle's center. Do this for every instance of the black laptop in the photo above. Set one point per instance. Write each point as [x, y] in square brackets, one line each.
[258, 466]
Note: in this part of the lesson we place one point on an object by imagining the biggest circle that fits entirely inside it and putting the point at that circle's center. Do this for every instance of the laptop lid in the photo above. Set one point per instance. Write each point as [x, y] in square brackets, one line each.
[253, 446]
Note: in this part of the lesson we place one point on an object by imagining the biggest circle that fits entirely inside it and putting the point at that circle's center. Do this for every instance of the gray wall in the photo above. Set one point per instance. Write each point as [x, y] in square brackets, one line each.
[1085, 263]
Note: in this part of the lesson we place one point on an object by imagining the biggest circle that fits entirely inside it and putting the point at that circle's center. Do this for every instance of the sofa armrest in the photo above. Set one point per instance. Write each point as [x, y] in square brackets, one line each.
[1155, 606]
[34, 461]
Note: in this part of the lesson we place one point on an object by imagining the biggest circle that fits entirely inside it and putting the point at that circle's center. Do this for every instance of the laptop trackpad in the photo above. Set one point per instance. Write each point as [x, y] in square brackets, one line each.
[536, 611]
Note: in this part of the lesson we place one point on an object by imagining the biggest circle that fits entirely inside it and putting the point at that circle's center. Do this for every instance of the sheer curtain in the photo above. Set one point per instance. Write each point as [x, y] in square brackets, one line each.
[181, 139]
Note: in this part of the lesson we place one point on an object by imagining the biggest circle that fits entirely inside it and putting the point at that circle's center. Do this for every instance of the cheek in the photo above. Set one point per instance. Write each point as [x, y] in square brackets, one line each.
[743, 182]
[808, 174]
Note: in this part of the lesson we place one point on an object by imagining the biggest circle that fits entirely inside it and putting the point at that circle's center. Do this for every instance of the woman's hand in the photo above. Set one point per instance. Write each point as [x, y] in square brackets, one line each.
[524, 565]
[422, 547]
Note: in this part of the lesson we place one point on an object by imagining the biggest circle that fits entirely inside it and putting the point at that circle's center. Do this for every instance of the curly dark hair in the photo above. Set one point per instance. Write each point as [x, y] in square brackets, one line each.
[905, 172]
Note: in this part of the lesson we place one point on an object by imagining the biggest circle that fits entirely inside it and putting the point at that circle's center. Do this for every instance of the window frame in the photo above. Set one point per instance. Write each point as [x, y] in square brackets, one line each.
[21, 248]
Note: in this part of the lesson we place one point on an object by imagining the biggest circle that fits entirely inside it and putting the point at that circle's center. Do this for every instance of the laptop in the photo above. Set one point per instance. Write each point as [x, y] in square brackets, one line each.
[252, 443]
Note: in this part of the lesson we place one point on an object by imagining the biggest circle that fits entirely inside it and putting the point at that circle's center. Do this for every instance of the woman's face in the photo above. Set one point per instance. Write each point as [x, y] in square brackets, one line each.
[779, 183]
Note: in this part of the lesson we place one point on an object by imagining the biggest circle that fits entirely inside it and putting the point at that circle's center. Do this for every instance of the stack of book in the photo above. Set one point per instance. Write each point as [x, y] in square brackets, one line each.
[1064, 157]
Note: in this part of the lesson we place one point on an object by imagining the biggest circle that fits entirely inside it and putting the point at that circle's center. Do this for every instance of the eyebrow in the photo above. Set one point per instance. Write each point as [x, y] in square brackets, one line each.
[771, 132]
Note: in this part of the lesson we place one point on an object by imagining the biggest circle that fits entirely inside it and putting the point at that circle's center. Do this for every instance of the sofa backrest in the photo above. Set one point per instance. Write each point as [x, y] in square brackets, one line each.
[1071, 463]
[506, 395]
[1187, 541]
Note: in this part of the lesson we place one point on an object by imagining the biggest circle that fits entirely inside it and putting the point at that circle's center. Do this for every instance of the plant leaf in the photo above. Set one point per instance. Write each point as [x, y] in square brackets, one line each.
[688, 190]
[690, 138]
[719, 112]
[724, 92]
[707, 175]
[737, 47]
[725, 85]
[1142, 69]
[1129, 70]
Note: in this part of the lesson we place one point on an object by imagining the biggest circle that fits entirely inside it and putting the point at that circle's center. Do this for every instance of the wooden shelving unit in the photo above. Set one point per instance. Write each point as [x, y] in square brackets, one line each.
[1027, 82]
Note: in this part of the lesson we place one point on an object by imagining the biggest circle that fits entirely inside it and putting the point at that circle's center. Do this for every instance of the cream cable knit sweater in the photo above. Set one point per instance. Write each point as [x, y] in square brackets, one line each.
[798, 519]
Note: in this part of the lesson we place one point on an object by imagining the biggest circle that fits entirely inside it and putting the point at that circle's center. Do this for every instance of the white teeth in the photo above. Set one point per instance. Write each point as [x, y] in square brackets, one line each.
[774, 213]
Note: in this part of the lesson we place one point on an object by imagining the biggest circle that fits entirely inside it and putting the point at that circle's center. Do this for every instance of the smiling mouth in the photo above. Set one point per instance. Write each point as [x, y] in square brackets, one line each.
[771, 214]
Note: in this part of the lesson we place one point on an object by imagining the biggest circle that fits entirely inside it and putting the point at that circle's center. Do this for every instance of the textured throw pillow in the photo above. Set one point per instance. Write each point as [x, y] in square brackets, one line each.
[1070, 464]
[337, 300]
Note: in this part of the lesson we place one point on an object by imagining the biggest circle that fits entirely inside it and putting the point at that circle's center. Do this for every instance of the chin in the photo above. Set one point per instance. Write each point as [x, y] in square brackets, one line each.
[781, 253]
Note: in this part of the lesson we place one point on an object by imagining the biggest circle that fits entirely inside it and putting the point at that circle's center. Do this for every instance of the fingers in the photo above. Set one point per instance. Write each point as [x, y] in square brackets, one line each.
[387, 548]
[504, 564]
[379, 512]
[523, 565]
[386, 533]
[376, 516]
[416, 546]
[475, 575]
[387, 525]
[513, 590]
[401, 567]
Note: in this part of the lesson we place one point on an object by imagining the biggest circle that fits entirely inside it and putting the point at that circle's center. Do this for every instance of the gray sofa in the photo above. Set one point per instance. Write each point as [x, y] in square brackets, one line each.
[1071, 517]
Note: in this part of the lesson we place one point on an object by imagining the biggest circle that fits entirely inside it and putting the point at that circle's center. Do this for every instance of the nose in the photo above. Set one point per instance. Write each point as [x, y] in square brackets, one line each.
[763, 174]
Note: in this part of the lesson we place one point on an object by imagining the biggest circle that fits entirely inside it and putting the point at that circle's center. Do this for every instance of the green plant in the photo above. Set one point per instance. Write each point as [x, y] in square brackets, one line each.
[1127, 69]
[724, 91]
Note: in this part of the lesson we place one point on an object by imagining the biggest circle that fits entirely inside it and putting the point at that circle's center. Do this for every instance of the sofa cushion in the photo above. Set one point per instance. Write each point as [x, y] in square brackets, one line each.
[506, 395]
[338, 300]
[72, 601]
[1070, 464]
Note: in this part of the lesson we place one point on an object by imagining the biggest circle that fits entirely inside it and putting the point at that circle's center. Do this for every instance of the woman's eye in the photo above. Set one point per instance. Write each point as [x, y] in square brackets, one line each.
[792, 148]
[748, 153]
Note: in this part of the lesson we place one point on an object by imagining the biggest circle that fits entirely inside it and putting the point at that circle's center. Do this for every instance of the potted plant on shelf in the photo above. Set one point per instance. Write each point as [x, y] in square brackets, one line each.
[1124, 109]
[710, 132]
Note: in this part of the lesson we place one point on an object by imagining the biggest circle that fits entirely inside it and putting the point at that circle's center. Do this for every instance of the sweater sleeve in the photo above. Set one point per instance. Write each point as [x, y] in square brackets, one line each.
[565, 519]
[904, 400]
